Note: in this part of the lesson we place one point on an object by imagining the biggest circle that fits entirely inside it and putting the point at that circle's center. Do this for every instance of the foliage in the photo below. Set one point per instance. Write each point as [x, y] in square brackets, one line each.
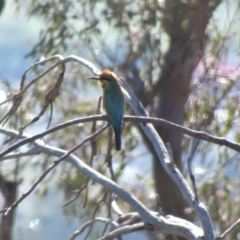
[133, 36]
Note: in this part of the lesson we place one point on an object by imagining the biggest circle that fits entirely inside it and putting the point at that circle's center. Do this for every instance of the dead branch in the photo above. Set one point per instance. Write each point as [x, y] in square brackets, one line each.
[135, 119]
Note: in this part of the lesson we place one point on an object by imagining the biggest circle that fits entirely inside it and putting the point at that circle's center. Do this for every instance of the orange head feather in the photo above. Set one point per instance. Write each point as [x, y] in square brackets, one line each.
[106, 76]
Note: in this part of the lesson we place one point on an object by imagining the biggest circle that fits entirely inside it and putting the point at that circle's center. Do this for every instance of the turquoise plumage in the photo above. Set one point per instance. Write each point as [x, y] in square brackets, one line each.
[113, 102]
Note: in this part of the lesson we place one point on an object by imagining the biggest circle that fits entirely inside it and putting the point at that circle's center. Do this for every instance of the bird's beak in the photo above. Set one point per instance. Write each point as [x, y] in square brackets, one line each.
[94, 78]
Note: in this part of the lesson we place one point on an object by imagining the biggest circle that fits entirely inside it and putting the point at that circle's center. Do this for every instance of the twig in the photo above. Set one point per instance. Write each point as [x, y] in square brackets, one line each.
[61, 61]
[41, 62]
[94, 142]
[51, 114]
[78, 194]
[32, 152]
[15, 204]
[41, 135]
[189, 161]
[17, 98]
[109, 207]
[86, 195]
[93, 152]
[108, 158]
[115, 207]
[16, 101]
[90, 223]
[123, 230]
[170, 153]
[129, 218]
[95, 210]
[229, 229]
[52, 94]
[159, 205]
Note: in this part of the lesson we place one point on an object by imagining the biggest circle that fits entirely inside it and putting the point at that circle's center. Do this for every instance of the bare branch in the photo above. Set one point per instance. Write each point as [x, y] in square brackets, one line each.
[62, 60]
[135, 119]
[229, 229]
[162, 224]
[16, 101]
[52, 94]
[32, 152]
[94, 142]
[38, 136]
[41, 62]
[17, 98]
[90, 223]
[159, 205]
[115, 207]
[109, 211]
[123, 230]
[172, 171]
[189, 161]
[95, 210]
[130, 218]
[78, 194]
[108, 158]
[192, 133]
[15, 204]
[170, 153]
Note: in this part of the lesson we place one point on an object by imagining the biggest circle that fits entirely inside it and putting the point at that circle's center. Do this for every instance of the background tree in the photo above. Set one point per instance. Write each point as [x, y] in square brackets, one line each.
[129, 38]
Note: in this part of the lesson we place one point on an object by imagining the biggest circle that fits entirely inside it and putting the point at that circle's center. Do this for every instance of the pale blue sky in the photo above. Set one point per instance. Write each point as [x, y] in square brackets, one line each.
[18, 34]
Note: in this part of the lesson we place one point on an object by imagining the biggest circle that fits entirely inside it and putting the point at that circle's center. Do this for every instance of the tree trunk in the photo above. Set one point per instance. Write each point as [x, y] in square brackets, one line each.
[185, 23]
[9, 191]
[185, 26]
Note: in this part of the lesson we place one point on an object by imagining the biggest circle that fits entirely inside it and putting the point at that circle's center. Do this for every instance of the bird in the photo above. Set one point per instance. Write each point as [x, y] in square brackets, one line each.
[113, 102]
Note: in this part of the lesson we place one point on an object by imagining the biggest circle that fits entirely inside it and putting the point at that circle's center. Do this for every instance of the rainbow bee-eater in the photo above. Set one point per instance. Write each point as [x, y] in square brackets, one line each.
[113, 102]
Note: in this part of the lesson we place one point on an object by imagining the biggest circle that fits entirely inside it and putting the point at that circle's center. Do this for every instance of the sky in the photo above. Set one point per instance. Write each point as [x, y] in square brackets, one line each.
[18, 33]
[36, 218]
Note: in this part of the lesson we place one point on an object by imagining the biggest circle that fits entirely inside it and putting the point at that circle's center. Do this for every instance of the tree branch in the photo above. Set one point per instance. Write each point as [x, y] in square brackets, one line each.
[172, 171]
[90, 223]
[135, 119]
[229, 229]
[49, 169]
[31, 152]
[165, 225]
[189, 161]
[123, 230]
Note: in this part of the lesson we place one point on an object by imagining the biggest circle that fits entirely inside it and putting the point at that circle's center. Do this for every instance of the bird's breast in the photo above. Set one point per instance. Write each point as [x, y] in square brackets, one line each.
[113, 103]
[103, 83]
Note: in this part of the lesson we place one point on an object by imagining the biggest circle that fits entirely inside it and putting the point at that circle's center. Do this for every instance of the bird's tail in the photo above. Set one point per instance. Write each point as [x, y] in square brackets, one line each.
[117, 132]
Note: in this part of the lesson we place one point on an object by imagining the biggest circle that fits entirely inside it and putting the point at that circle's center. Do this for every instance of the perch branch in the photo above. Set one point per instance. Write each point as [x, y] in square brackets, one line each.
[135, 119]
